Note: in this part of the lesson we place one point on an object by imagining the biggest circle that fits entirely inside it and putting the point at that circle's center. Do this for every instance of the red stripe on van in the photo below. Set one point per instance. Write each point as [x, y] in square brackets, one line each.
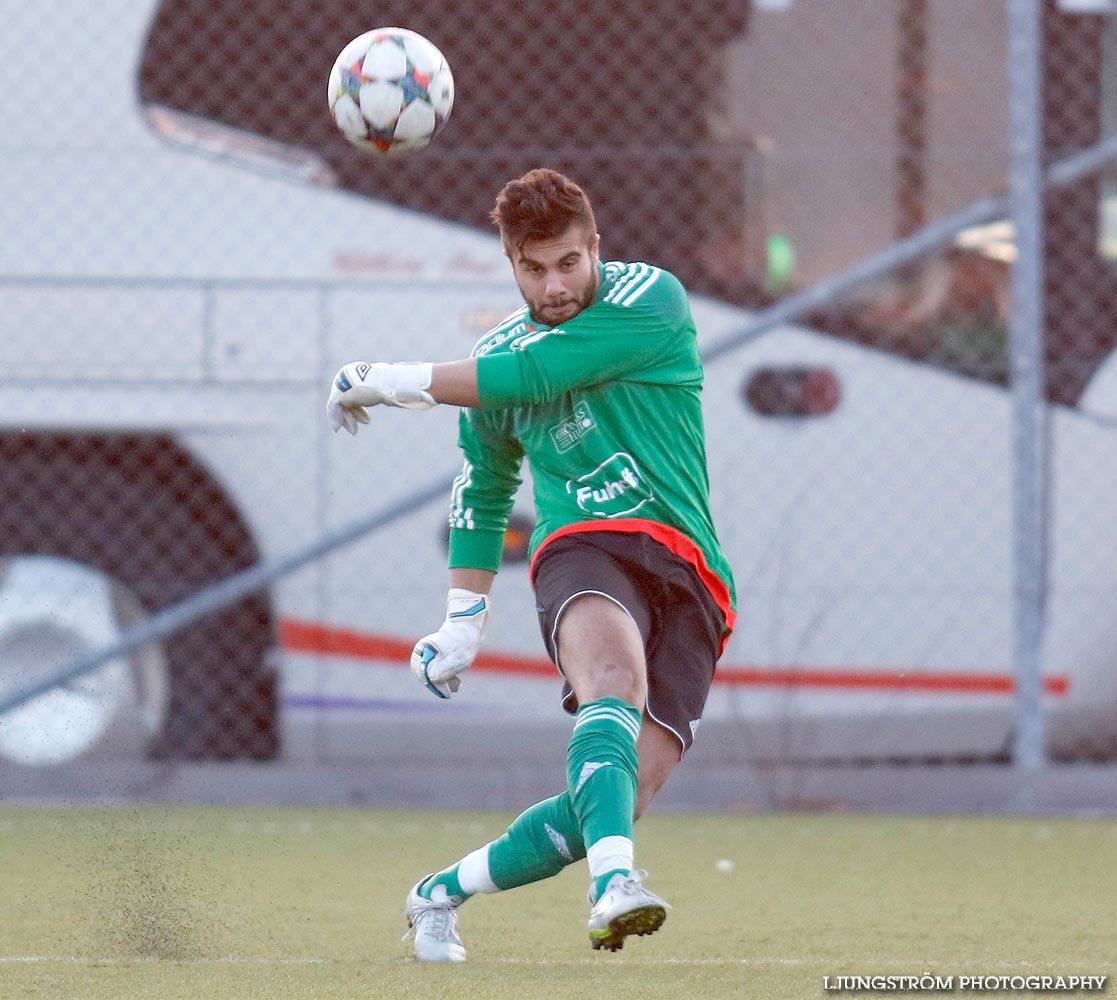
[906, 680]
[312, 637]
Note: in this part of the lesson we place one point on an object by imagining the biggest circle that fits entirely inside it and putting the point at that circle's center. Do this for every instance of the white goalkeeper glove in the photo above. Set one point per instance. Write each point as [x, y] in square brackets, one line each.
[361, 384]
[438, 658]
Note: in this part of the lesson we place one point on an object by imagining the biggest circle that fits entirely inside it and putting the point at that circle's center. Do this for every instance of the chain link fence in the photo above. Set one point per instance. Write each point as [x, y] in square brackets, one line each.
[191, 250]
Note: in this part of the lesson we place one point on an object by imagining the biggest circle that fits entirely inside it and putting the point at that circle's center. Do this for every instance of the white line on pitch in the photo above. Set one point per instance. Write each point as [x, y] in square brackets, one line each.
[145, 960]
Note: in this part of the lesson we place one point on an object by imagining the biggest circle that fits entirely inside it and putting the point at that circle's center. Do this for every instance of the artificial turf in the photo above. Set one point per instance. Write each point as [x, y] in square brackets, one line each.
[228, 903]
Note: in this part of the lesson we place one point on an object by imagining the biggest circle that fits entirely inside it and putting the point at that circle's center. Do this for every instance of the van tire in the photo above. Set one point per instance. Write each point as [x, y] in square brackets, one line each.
[141, 510]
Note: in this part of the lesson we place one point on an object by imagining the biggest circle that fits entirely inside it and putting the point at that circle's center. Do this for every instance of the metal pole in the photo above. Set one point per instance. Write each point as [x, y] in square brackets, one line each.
[1029, 442]
[911, 121]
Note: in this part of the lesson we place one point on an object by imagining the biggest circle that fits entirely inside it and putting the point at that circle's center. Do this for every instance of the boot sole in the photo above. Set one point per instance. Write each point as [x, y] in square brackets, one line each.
[639, 922]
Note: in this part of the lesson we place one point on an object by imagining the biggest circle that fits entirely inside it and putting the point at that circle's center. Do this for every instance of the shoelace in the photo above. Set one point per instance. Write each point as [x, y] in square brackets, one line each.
[437, 921]
[636, 879]
[634, 882]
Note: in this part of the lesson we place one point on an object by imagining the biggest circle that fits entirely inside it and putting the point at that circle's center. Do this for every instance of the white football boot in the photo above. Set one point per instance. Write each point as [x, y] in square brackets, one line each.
[625, 908]
[435, 927]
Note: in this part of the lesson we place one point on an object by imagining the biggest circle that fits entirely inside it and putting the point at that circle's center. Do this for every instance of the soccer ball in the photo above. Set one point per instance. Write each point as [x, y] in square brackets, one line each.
[391, 91]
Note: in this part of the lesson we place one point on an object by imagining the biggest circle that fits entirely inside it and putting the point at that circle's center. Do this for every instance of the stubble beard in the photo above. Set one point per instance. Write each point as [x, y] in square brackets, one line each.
[540, 311]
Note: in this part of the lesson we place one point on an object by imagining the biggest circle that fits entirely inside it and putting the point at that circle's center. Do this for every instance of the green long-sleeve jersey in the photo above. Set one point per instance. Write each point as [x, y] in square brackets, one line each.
[606, 408]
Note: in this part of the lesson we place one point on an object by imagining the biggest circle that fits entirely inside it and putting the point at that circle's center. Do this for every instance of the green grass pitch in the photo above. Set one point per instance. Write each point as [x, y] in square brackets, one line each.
[277, 904]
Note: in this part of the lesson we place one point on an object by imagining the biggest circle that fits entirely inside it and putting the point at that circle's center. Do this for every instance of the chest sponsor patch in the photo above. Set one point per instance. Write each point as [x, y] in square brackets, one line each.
[569, 432]
[616, 488]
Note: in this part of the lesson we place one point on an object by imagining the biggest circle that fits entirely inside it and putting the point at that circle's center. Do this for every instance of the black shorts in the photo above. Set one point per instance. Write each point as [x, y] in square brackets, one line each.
[679, 621]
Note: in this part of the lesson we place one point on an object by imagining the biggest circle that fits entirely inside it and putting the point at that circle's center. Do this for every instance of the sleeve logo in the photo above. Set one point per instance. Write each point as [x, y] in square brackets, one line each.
[616, 488]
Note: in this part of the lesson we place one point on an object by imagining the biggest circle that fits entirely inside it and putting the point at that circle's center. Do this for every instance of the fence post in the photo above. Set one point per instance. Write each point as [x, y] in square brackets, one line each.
[1030, 432]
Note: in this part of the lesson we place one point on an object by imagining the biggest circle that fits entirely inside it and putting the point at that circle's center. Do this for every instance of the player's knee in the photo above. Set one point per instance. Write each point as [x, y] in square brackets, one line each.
[601, 651]
[616, 678]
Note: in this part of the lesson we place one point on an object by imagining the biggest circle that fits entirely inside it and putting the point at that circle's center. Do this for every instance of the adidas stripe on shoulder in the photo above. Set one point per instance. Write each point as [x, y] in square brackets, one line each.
[631, 282]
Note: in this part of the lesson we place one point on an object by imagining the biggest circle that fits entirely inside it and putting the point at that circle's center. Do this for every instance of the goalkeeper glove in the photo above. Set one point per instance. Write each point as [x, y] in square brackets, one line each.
[438, 658]
[360, 384]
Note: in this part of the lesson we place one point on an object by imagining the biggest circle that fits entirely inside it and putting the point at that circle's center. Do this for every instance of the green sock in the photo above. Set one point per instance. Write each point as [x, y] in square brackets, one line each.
[540, 842]
[450, 885]
[596, 810]
[601, 769]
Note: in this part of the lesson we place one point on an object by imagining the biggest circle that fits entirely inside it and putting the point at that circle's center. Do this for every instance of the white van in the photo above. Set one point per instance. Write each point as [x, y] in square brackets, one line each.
[174, 297]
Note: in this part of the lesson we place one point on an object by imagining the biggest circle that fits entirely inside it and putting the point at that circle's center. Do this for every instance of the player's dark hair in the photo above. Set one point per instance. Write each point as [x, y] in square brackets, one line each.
[541, 205]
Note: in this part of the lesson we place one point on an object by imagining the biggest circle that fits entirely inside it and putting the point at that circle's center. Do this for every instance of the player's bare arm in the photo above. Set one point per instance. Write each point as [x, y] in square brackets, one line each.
[455, 382]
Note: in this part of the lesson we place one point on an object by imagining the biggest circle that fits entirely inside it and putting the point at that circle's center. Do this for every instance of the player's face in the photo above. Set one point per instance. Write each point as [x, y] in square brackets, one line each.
[557, 277]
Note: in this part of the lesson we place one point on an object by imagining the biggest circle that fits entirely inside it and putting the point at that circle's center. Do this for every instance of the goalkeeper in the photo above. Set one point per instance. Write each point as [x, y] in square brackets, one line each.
[597, 381]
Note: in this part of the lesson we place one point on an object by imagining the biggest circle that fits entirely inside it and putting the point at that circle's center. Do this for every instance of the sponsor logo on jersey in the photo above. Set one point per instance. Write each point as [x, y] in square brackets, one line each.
[572, 429]
[616, 488]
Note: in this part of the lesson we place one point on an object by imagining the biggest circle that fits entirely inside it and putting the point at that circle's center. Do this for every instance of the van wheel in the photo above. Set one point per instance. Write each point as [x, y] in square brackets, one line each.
[141, 511]
[52, 612]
